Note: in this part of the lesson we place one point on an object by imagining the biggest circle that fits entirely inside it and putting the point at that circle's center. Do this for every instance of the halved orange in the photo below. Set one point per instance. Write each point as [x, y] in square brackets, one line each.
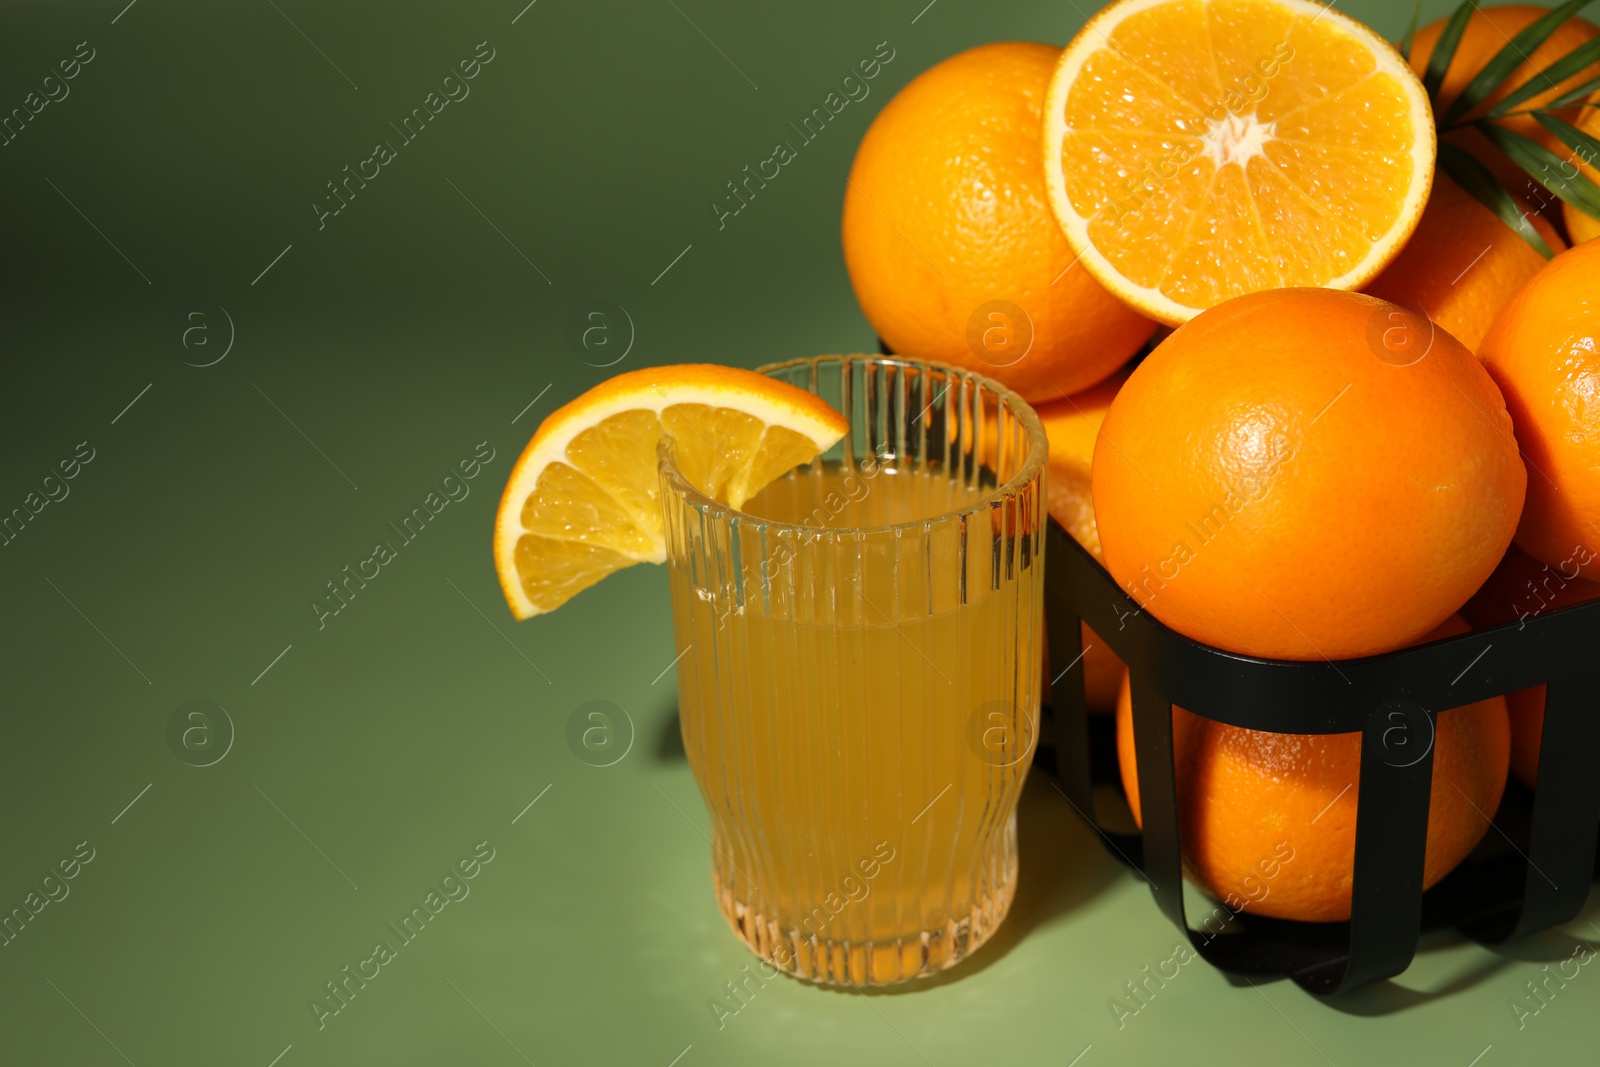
[1198, 150]
[584, 498]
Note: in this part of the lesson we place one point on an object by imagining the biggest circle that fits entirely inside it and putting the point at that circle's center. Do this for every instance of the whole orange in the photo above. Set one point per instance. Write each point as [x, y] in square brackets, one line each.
[1072, 424]
[1489, 30]
[1462, 264]
[1544, 353]
[949, 238]
[1306, 474]
[1268, 821]
[1519, 589]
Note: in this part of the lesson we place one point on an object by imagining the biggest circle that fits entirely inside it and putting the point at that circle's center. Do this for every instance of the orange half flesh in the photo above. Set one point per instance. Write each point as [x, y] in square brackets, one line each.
[1198, 150]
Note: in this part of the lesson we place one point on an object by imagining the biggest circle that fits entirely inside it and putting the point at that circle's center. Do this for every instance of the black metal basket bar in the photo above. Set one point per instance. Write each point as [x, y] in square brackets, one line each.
[1392, 700]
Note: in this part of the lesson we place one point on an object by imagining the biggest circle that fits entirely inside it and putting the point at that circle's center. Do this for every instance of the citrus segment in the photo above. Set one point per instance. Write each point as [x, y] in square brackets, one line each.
[1197, 150]
[584, 501]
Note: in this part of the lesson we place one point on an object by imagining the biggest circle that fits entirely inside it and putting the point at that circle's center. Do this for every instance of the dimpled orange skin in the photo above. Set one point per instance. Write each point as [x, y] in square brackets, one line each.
[1544, 352]
[1264, 482]
[1488, 30]
[1247, 799]
[1521, 588]
[1462, 264]
[951, 170]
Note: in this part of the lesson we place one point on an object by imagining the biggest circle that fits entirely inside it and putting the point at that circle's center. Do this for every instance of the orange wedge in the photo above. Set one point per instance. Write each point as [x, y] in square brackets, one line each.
[584, 498]
[1198, 150]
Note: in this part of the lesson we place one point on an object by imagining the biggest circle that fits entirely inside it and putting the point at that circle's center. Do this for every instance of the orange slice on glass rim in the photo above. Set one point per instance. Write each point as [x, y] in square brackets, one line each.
[584, 498]
[1198, 150]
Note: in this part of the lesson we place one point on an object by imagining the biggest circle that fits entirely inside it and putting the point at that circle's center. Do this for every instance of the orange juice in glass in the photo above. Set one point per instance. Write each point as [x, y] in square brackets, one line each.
[859, 689]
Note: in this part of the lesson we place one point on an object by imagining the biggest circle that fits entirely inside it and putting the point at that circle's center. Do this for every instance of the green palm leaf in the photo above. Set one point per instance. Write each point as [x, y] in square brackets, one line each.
[1553, 75]
[1515, 53]
[1584, 146]
[1573, 96]
[1411, 32]
[1444, 50]
[1477, 180]
[1544, 164]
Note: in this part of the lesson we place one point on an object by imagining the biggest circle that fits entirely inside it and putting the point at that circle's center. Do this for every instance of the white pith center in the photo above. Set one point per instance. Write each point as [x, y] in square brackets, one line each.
[1236, 139]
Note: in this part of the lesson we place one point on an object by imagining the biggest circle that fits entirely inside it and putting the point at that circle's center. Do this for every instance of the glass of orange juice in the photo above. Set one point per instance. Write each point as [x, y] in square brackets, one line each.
[859, 682]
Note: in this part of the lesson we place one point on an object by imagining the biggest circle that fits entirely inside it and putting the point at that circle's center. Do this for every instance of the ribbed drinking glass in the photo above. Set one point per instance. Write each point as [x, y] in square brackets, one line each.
[860, 673]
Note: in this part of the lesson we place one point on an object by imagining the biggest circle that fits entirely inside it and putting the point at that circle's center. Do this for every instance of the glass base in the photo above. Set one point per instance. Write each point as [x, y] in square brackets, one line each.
[916, 954]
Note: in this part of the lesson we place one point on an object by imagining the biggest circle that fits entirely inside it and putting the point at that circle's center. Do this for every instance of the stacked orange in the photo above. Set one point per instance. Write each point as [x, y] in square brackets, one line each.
[1246, 797]
[1277, 481]
[1462, 264]
[948, 236]
[1544, 353]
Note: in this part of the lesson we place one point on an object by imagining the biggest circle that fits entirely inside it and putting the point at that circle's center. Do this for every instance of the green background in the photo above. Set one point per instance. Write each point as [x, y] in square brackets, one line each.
[428, 316]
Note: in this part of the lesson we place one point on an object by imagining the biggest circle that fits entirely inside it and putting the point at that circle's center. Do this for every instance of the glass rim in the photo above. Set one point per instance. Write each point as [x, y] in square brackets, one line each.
[1031, 468]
